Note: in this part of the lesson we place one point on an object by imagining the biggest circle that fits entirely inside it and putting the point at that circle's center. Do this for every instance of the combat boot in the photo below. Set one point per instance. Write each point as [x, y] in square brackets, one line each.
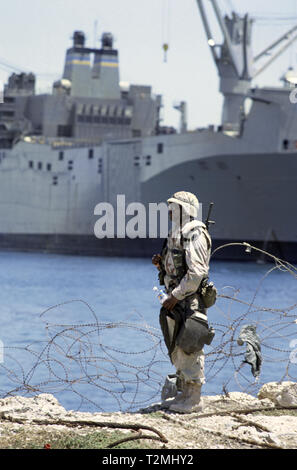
[190, 402]
[180, 392]
[179, 397]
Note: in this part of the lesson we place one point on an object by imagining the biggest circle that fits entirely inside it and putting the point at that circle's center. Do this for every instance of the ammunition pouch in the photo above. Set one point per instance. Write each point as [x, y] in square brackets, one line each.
[179, 261]
[178, 257]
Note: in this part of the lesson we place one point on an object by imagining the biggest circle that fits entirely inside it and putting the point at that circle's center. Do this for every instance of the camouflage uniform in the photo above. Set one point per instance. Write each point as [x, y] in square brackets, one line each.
[197, 253]
[192, 241]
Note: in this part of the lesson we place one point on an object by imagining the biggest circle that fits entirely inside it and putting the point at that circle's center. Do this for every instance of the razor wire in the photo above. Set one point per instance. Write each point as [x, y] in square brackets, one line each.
[122, 365]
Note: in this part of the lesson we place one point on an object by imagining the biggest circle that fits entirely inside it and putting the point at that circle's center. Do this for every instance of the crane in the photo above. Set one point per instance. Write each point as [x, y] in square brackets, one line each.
[234, 59]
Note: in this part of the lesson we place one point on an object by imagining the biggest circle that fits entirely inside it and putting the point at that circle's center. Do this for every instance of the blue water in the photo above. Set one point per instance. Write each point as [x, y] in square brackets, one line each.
[100, 346]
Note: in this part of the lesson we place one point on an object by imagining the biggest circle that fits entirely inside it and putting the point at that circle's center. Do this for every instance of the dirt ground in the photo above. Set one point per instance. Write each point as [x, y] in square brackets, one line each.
[231, 422]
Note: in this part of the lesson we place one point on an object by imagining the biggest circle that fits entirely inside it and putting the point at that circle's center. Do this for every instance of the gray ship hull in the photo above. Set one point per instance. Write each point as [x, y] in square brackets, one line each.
[88, 245]
[254, 196]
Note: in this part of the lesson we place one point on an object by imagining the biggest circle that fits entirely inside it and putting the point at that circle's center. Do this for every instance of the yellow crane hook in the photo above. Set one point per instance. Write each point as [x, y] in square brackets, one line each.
[165, 49]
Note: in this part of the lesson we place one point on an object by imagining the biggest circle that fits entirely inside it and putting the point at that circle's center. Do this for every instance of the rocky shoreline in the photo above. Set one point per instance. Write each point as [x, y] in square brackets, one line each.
[233, 421]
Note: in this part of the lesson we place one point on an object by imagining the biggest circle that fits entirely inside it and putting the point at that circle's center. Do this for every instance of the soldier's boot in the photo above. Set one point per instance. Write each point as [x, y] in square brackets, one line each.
[179, 397]
[180, 393]
[191, 400]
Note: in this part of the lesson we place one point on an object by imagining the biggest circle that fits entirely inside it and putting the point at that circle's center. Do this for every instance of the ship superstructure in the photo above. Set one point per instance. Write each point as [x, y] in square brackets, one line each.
[92, 140]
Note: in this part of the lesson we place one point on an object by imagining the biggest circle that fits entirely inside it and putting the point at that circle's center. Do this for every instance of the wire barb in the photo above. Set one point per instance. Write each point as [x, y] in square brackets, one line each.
[108, 366]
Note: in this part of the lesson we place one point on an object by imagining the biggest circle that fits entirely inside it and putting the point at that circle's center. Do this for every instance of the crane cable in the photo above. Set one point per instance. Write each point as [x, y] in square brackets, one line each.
[165, 28]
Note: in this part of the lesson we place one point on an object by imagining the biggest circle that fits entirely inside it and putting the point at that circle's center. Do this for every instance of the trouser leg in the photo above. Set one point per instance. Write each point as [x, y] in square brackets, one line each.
[169, 394]
[190, 367]
[190, 373]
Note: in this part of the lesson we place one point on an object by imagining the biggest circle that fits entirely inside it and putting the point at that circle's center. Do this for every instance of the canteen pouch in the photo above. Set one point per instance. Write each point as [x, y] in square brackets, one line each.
[208, 293]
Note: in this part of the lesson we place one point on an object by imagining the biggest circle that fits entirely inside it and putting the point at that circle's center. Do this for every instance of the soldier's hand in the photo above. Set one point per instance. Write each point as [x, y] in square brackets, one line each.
[156, 260]
[170, 303]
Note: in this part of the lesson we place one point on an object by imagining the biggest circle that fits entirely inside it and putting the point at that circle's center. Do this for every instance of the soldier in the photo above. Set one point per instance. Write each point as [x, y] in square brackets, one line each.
[183, 268]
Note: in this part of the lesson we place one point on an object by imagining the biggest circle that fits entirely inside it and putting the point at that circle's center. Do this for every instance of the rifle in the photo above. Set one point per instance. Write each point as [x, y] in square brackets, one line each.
[209, 222]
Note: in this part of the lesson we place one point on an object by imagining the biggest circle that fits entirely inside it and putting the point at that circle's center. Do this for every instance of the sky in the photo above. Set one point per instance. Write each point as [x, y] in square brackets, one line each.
[35, 34]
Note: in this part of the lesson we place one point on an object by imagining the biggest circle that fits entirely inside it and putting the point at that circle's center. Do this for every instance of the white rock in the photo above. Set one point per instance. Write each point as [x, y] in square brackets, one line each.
[273, 390]
[272, 439]
[47, 397]
[288, 396]
[39, 406]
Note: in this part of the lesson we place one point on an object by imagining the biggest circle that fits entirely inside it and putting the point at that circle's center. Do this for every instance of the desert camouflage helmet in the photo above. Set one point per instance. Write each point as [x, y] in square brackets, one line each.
[187, 200]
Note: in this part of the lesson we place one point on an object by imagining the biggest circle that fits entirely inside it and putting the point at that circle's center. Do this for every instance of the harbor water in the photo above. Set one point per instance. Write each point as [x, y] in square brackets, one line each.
[87, 329]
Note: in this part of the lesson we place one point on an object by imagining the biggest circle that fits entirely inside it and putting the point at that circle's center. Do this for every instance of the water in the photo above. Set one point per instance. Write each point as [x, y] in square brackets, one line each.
[120, 358]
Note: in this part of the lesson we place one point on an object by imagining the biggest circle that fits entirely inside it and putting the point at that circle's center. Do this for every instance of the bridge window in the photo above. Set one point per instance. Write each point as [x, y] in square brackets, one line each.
[286, 144]
[160, 147]
[64, 131]
[136, 133]
[99, 165]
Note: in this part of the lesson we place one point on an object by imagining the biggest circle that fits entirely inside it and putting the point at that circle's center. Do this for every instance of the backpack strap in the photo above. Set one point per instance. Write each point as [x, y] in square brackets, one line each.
[190, 228]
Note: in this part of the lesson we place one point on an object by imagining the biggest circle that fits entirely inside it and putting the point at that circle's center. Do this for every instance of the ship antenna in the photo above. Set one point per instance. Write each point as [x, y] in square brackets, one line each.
[95, 33]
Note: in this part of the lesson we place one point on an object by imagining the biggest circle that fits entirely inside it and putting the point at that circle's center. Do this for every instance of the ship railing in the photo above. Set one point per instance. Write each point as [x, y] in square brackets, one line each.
[56, 143]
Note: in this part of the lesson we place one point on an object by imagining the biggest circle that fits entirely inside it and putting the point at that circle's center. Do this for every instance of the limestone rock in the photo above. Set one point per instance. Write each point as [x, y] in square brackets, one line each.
[280, 393]
[40, 406]
[288, 397]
